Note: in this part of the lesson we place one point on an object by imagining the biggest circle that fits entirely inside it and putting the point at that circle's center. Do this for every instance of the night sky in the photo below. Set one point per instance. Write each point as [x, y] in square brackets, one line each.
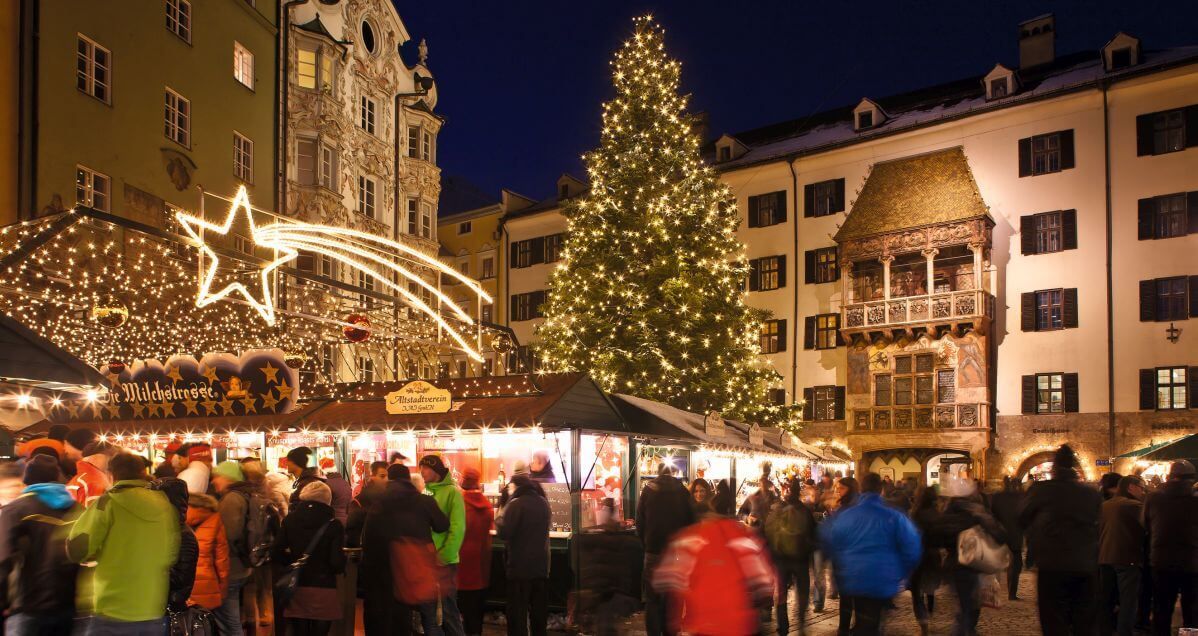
[521, 82]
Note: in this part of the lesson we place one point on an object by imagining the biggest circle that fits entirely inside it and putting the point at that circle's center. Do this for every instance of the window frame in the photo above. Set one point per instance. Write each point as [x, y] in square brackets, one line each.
[827, 330]
[327, 166]
[1173, 387]
[465, 227]
[772, 337]
[865, 119]
[524, 306]
[426, 145]
[1045, 400]
[772, 275]
[826, 200]
[1166, 301]
[1163, 130]
[413, 141]
[180, 22]
[487, 268]
[413, 224]
[173, 114]
[243, 158]
[1046, 230]
[89, 190]
[1171, 223]
[368, 197]
[823, 403]
[313, 170]
[88, 76]
[1046, 305]
[243, 73]
[553, 247]
[827, 269]
[996, 83]
[1043, 157]
[368, 114]
[426, 220]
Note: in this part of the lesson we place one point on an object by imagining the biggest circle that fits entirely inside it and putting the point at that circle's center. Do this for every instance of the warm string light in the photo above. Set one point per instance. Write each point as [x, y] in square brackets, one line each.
[648, 297]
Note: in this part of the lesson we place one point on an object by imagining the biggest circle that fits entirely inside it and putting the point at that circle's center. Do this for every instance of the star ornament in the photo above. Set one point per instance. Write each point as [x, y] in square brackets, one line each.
[195, 228]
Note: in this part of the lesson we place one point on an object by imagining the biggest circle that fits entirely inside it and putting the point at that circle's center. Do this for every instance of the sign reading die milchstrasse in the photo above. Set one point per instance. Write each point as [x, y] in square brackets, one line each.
[418, 397]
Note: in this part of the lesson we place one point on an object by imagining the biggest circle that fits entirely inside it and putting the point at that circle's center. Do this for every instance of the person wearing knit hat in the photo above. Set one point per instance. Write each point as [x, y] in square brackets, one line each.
[297, 465]
[317, 491]
[41, 581]
[198, 466]
[1062, 518]
[234, 507]
[399, 472]
[315, 605]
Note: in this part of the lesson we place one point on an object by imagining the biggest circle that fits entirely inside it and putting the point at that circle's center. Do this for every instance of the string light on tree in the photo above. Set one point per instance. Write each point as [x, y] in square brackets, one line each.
[648, 297]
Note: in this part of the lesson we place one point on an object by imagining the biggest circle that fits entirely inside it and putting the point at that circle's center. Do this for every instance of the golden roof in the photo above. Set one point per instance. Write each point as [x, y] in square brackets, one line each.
[929, 189]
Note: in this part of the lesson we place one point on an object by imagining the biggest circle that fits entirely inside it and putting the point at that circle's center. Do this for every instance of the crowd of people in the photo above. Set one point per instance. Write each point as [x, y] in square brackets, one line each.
[96, 540]
[1110, 558]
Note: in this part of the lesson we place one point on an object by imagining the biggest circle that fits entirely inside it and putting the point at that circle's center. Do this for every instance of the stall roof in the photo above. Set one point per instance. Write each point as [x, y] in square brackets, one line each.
[666, 422]
[557, 400]
[1139, 452]
[1184, 448]
[194, 425]
[30, 360]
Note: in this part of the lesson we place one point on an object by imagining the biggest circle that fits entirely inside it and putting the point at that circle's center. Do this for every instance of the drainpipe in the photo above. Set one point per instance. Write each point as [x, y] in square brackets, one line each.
[794, 349]
[1110, 308]
[281, 78]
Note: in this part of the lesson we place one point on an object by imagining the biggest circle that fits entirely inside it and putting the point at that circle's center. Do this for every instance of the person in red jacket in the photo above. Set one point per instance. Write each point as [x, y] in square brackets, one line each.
[720, 571]
[91, 473]
[212, 568]
[474, 568]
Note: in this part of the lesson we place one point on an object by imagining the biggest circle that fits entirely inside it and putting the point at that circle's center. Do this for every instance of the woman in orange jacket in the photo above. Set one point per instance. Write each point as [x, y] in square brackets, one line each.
[212, 569]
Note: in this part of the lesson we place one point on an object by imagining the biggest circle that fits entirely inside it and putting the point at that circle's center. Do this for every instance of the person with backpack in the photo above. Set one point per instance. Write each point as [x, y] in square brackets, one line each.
[37, 580]
[790, 533]
[242, 512]
[312, 539]
[720, 571]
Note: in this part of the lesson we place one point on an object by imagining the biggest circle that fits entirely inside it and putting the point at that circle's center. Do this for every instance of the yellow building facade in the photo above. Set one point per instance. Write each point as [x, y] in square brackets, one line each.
[138, 106]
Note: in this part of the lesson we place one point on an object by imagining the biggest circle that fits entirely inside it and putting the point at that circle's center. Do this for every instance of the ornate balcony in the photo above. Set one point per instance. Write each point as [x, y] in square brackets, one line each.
[947, 308]
[929, 417]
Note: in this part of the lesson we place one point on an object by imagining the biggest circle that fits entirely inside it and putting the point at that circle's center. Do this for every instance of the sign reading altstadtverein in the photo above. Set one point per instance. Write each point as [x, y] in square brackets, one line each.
[257, 382]
[418, 397]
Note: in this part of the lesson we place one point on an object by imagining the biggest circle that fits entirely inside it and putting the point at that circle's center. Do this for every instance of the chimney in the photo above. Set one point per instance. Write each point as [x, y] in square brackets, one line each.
[1037, 41]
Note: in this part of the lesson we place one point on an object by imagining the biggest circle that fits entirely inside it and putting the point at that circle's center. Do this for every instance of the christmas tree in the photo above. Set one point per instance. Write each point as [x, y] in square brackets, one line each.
[649, 298]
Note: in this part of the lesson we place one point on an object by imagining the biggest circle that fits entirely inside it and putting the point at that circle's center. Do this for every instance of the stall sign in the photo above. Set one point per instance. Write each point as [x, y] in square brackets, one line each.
[418, 397]
[756, 437]
[713, 424]
[295, 440]
[258, 382]
[1102, 462]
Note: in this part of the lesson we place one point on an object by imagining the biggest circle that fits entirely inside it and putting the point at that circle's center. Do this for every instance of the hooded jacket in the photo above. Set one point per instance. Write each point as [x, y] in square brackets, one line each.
[306, 476]
[873, 547]
[474, 567]
[132, 533]
[664, 508]
[212, 568]
[327, 559]
[523, 524]
[449, 500]
[88, 483]
[35, 574]
[233, 507]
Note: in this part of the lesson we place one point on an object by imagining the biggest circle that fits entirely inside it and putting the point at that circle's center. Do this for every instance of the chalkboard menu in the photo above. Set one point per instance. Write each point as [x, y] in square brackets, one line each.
[559, 505]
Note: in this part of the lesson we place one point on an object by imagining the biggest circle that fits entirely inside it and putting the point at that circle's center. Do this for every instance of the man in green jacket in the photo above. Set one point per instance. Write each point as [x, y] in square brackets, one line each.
[132, 533]
[439, 483]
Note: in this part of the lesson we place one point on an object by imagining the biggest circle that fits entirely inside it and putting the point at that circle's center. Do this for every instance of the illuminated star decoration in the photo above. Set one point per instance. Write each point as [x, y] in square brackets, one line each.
[194, 227]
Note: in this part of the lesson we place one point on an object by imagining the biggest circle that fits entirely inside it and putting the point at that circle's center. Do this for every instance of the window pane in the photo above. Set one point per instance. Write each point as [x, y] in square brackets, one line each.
[1179, 375]
[1164, 398]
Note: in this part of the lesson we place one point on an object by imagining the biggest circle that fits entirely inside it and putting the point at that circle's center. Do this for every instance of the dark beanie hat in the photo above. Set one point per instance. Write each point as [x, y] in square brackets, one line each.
[299, 456]
[58, 432]
[434, 462]
[41, 469]
[175, 490]
[1064, 461]
[398, 472]
[81, 437]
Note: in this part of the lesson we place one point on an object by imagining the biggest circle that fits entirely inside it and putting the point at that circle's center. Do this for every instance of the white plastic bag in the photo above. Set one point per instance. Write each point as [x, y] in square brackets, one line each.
[977, 550]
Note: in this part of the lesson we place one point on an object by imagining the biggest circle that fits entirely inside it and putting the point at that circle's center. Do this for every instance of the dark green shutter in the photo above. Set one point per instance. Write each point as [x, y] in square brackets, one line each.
[1147, 389]
[1029, 394]
[1069, 380]
[1191, 115]
[538, 250]
[1144, 134]
[1069, 229]
[809, 267]
[1147, 300]
[1069, 308]
[839, 337]
[808, 404]
[1067, 158]
[1192, 390]
[1027, 311]
[1025, 156]
[780, 206]
[754, 274]
[515, 250]
[809, 200]
[809, 332]
[1027, 234]
[839, 408]
[781, 271]
[1145, 219]
[1192, 213]
[754, 204]
[1194, 297]
[839, 203]
[781, 335]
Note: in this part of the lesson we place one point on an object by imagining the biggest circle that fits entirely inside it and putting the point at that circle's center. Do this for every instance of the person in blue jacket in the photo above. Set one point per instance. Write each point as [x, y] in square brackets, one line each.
[873, 548]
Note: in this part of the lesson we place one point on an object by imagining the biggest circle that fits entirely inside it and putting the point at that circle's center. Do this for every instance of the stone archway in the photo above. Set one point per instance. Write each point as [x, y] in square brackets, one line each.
[1032, 460]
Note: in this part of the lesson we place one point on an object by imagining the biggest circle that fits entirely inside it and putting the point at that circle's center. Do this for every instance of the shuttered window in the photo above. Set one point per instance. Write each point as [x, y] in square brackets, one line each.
[1046, 154]
[1050, 393]
[773, 336]
[1169, 388]
[823, 403]
[767, 273]
[767, 209]
[1167, 299]
[1049, 309]
[821, 266]
[823, 198]
[527, 306]
[1167, 131]
[1168, 216]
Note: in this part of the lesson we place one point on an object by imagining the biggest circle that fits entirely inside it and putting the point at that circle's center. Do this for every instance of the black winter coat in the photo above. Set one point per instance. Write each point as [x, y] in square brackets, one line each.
[664, 508]
[1061, 522]
[959, 515]
[33, 543]
[523, 524]
[327, 559]
[1171, 521]
[183, 572]
[400, 512]
[306, 476]
[1006, 505]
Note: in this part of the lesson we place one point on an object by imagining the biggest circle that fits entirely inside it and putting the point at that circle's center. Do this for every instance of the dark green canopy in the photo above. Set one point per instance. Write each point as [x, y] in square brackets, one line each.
[1184, 448]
